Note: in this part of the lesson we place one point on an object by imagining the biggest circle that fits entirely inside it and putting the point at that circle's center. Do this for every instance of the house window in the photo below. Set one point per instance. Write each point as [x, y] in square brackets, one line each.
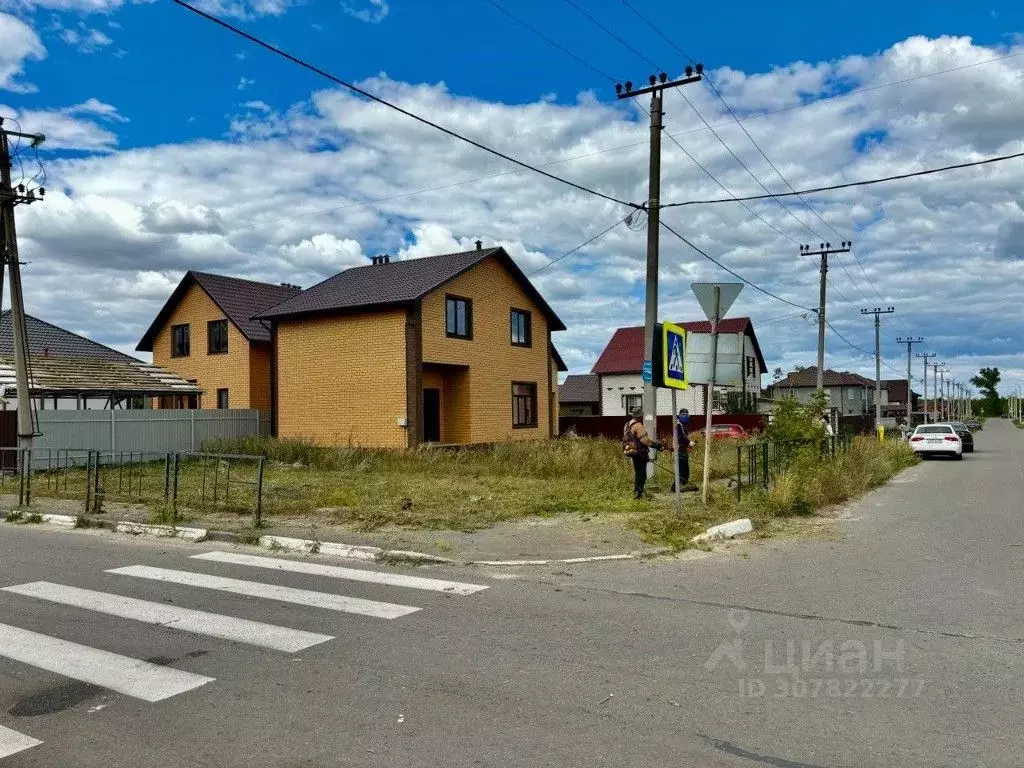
[629, 402]
[524, 404]
[751, 366]
[521, 328]
[180, 340]
[217, 337]
[222, 399]
[458, 317]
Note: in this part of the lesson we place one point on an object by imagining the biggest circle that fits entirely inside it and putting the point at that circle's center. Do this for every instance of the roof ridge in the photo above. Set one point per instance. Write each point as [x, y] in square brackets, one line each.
[200, 273]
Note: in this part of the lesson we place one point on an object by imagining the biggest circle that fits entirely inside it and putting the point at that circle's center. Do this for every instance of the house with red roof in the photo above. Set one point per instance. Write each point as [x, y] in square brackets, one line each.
[621, 386]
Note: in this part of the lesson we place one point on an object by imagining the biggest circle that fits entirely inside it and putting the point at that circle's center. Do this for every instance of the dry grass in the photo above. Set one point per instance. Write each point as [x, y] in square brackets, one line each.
[467, 490]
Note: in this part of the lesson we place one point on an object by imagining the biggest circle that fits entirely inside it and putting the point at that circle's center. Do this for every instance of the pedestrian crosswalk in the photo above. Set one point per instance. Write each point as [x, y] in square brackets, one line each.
[151, 682]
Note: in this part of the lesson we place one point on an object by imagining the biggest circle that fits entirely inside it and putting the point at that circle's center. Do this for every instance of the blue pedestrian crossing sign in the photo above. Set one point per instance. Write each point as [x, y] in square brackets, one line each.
[673, 350]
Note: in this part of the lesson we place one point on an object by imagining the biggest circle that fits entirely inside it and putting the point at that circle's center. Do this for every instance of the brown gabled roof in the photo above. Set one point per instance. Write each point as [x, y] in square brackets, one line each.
[580, 388]
[238, 299]
[808, 378]
[398, 283]
[625, 350]
[48, 340]
[559, 362]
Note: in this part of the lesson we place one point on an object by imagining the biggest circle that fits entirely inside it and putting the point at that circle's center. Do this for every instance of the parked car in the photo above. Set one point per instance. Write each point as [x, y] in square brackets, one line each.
[936, 440]
[965, 435]
[718, 431]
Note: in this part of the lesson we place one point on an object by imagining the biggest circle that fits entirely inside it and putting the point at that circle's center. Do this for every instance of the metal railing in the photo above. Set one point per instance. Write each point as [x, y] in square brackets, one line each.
[757, 464]
[173, 483]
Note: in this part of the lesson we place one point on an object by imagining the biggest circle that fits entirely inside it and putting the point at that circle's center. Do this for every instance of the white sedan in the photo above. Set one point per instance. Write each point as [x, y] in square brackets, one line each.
[937, 440]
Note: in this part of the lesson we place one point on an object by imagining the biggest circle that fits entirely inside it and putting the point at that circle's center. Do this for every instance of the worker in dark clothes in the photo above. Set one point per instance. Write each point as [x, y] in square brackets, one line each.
[635, 444]
[683, 455]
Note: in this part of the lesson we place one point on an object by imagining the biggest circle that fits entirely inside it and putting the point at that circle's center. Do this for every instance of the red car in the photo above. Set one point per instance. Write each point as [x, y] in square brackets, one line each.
[718, 431]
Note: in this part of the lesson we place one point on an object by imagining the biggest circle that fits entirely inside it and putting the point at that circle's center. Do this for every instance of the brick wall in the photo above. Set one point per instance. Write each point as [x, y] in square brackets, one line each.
[230, 370]
[259, 376]
[342, 380]
[493, 362]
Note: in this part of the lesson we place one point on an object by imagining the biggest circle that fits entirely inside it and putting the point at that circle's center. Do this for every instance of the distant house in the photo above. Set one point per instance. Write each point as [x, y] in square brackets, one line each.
[205, 332]
[70, 372]
[454, 349]
[895, 403]
[580, 395]
[849, 393]
[619, 368]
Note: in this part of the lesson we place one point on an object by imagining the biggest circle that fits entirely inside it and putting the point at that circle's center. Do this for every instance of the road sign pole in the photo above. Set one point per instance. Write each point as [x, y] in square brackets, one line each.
[676, 447]
[715, 316]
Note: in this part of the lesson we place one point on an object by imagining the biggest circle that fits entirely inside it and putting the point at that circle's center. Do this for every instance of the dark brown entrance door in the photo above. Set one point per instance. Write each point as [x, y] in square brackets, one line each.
[432, 415]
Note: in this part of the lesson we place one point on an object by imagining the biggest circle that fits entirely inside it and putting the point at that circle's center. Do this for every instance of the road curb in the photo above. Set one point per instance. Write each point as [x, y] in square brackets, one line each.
[332, 548]
[574, 560]
[162, 531]
[725, 531]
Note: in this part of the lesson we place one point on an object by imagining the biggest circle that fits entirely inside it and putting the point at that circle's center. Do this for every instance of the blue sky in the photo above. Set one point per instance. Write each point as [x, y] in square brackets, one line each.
[175, 145]
[175, 76]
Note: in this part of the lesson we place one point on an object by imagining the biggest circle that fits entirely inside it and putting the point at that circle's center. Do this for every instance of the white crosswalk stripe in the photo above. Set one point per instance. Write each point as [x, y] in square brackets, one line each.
[306, 597]
[175, 617]
[12, 742]
[132, 677]
[338, 572]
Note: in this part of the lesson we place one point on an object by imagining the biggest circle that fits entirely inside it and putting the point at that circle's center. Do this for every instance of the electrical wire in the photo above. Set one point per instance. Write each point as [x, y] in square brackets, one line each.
[735, 274]
[736, 157]
[848, 185]
[390, 105]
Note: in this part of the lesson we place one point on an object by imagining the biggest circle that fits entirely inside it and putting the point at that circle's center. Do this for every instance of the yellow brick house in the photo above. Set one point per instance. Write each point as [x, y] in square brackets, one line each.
[205, 332]
[449, 349]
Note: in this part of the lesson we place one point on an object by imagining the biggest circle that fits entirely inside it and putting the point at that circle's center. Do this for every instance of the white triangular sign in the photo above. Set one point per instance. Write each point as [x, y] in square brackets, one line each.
[705, 293]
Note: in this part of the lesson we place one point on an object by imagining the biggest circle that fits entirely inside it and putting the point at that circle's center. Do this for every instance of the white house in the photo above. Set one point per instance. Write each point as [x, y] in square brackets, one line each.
[849, 393]
[619, 366]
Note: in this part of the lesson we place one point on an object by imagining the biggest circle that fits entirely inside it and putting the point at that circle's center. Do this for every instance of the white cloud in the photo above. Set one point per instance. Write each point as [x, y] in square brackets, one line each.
[73, 127]
[85, 39]
[244, 82]
[298, 194]
[18, 43]
[373, 11]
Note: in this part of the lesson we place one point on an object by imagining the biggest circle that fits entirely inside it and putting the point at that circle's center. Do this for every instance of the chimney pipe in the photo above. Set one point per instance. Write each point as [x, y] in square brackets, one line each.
[479, 245]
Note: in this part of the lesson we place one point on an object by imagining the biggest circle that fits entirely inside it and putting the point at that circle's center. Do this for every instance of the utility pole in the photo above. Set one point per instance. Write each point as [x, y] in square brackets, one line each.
[910, 380]
[878, 312]
[935, 386]
[824, 251]
[942, 391]
[658, 84]
[926, 357]
[10, 197]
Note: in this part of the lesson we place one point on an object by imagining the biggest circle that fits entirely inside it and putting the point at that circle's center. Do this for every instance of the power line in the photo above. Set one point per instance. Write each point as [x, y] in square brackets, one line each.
[556, 44]
[757, 146]
[735, 274]
[736, 157]
[848, 185]
[384, 102]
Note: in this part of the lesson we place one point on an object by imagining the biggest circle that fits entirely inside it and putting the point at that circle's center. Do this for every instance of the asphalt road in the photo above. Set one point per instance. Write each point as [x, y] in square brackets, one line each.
[901, 642]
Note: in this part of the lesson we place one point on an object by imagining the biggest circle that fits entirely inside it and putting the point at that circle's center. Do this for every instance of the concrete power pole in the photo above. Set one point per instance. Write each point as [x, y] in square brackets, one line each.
[910, 379]
[943, 370]
[878, 312]
[11, 196]
[824, 251]
[926, 358]
[658, 84]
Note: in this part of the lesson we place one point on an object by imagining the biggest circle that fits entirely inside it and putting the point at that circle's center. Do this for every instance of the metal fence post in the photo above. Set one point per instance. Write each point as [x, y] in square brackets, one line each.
[739, 473]
[258, 519]
[764, 464]
[192, 430]
[174, 496]
[167, 478]
[88, 481]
